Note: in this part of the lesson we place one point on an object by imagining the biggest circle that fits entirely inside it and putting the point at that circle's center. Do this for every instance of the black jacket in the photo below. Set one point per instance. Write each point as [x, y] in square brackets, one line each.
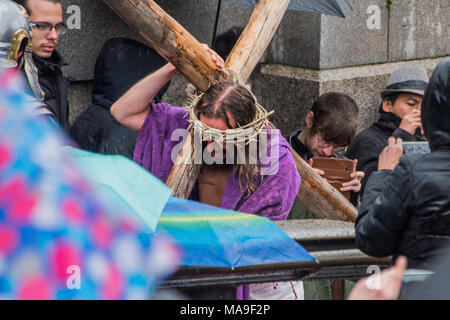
[368, 145]
[407, 211]
[55, 86]
[121, 63]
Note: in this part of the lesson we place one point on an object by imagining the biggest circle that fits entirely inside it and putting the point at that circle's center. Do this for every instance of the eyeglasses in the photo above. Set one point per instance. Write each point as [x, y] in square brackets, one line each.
[60, 28]
[336, 149]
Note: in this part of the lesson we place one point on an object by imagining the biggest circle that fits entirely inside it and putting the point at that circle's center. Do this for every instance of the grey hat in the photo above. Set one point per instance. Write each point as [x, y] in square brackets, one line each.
[406, 79]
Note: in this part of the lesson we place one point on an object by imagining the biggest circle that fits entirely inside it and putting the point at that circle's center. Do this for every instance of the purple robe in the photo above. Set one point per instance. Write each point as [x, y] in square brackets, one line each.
[272, 199]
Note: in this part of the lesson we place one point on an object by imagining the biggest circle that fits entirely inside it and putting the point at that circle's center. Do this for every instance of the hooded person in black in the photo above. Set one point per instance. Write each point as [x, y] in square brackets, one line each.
[406, 206]
[121, 63]
[399, 118]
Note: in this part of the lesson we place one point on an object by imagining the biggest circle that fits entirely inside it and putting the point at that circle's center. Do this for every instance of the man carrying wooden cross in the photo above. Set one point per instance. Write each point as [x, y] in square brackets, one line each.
[225, 110]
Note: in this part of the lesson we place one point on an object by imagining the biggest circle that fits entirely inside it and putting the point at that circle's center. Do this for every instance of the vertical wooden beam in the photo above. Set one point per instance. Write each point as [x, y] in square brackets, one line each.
[185, 172]
[256, 37]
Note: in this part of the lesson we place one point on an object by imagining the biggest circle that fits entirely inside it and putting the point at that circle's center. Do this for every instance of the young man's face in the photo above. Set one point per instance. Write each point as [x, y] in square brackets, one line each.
[44, 13]
[320, 148]
[315, 143]
[405, 104]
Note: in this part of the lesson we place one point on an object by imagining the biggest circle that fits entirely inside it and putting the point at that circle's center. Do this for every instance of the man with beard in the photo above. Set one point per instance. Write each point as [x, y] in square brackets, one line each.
[222, 107]
[223, 111]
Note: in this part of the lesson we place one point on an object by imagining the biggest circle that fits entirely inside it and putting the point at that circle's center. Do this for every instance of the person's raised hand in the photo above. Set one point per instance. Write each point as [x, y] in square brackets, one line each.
[319, 172]
[385, 285]
[171, 68]
[412, 121]
[355, 184]
[214, 56]
[391, 155]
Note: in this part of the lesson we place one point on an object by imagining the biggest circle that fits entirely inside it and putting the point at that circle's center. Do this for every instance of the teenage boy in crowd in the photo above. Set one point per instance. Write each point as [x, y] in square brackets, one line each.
[329, 127]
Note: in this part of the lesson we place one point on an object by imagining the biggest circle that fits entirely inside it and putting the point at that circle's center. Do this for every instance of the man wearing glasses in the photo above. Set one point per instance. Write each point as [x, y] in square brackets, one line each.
[328, 129]
[46, 21]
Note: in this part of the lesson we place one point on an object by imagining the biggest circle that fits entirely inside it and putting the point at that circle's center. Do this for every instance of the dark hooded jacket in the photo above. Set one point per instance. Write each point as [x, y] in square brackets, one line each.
[407, 211]
[55, 86]
[121, 63]
[368, 144]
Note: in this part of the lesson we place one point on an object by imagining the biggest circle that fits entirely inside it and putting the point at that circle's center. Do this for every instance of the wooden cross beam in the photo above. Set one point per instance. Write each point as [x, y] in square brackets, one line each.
[180, 48]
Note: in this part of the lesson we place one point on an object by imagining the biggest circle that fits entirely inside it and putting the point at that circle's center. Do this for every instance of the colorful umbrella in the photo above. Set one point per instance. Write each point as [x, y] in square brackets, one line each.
[133, 188]
[207, 235]
[215, 237]
[57, 240]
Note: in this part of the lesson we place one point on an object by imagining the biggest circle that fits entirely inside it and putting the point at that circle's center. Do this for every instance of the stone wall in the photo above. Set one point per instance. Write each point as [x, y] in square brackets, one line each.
[419, 29]
[309, 55]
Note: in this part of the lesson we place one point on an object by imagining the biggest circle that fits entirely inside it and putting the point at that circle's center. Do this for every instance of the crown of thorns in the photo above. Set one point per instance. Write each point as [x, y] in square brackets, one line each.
[238, 136]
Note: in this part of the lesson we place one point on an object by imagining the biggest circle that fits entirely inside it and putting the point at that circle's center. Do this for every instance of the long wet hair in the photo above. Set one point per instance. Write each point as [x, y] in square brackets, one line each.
[230, 98]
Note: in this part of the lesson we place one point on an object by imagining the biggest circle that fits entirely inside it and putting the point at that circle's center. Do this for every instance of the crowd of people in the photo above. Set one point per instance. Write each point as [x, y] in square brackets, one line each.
[403, 199]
